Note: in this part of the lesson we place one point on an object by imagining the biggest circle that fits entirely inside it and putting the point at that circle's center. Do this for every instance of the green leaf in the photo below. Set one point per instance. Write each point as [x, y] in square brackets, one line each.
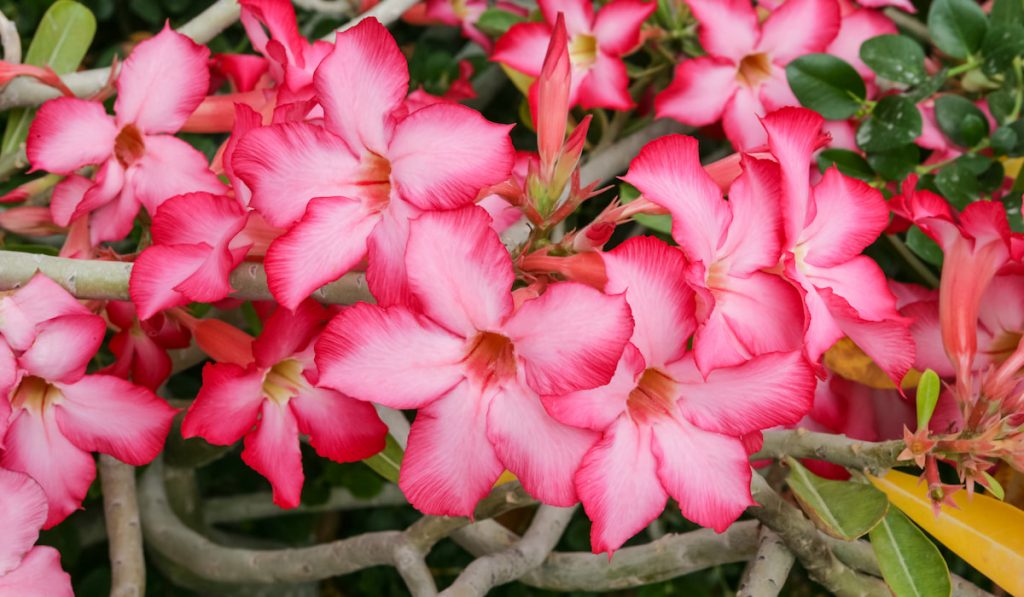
[924, 247]
[1008, 12]
[661, 223]
[61, 41]
[1004, 140]
[827, 85]
[843, 509]
[896, 58]
[960, 120]
[1002, 44]
[895, 164]
[849, 163]
[911, 564]
[388, 461]
[928, 387]
[957, 26]
[495, 22]
[894, 122]
[929, 87]
[994, 486]
[1000, 103]
[958, 183]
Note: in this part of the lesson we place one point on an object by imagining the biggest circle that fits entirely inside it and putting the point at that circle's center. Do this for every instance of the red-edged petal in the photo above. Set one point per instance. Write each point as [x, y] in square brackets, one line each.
[450, 465]
[23, 514]
[170, 167]
[340, 428]
[764, 392]
[699, 91]
[197, 218]
[523, 47]
[598, 408]
[849, 216]
[388, 355]
[160, 270]
[775, 92]
[570, 338]
[443, 155]
[740, 119]
[668, 172]
[288, 164]
[67, 196]
[39, 300]
[754, 238]
[617, 26]
[8, 377]
[272, 450]
[162, 82]
[68, 133]
[542, 453]
[888, 342]
[139, 358]
[227, 404]
[385, 270]
[313, 253]
[728, 28]
[799, 27]
[359, 85]
[861, 283]
[619, 486]
[653, 276]
[63, 347]
[468, 287]
[605, 85]
[287, 332]
[855, 29]
[39, 575]
[34, 445]
[579, 14]
[707, 473]
[792, 137]
[103, 413]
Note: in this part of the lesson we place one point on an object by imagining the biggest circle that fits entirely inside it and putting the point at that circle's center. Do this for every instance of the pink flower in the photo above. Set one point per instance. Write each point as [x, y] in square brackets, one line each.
[24, 569]
[667, 430]
[857, 26]
[368, 170]
[743, 76]
[826, 228]
[139, 161]
[465, 14]
[742, 310]
[53, 415]
[140, 346]
[473, 363]
[596, 45]
[269, 395]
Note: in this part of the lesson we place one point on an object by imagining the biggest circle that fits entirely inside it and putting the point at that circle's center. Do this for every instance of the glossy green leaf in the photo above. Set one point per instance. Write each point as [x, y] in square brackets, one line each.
[960, 120]
[924, 247]
[896, 58]
[1004, 140]
[843, 509]
[849, 163]
[928, 387]
[1003, 43]
[895, 164]
[894, 122]
[1009, 12]
[60, 42]
[495, 21]
[958, 183]
[388, 461]
[911, 564]
[827, 85]
[957, 26]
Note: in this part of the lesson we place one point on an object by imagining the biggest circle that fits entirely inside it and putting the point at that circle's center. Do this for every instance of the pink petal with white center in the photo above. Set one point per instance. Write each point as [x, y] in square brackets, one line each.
[799, 27]
[699, 91]
[39, 300]
[728, 28]
[861, 283]
[385, 270]
[653, 276]
[34, 445]
[39, 575]
[707, 473]
[619, 486]
[740, 119]
[792, 138]
[392, 356]
[313, 253]
[114, 220]
[171, 167]
[108, 187]
[443, 155]
[754, 239]
[197, 218]
[287, 332]
[279, 18]
[360, 84]
[103, 413]
[227, 404]
[523, 47]
[605, 85]
[68, 133]
[541, 452]
[160, 270]
[821, 330]
[63, 347]
[570, 338]
[579, 14]
[617, 26]
[775, 92]
[272, 450]
[288, 164]
[856, 28]
[67, 195]
[598, 408]
[24, 512]
[162, 82]
[340, 428]
[888, 342]
[450, 465]
[468, 288]
[668, 172]
[849, 216]
[767, 391]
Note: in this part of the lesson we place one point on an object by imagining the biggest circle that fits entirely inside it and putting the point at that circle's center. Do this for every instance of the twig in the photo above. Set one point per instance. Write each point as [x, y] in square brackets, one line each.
[807, 544]
[616, 157]
[121, 510]
[505, 566]
[261, 505]
[10, 40]
[387, 12]
[837, 449]
[923, 272]
[12, 163]
[333, 8]
[767, 572]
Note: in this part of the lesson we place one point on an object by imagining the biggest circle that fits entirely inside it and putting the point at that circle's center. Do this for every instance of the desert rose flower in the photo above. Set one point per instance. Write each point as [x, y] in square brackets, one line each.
[25, 569]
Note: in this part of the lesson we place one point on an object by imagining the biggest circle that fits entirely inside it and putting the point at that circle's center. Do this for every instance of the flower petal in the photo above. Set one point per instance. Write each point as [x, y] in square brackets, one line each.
[23, 514]
[728, 28]
[287, 332]
[740, 119]
[617, 26]
[272, 450]
[578, 14]
[754, 238]
[888, 342]
[792, 137]
[39, 300]
[197, 218]
[386, 276]
[605, 85]
[160, 270]
[340, 428]
[63, 347]
[523, 47]
[39, 574]
[599, 407]
[68, 194]
[170, 167]
[849, 216]
[799, 27]
[227, 404]
[68, 133]
[699, 91]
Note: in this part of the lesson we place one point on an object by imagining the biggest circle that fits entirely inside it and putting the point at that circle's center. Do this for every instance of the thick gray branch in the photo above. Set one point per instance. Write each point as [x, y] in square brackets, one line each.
[261, 505]
[121, 510]
[838, 449]
[616, 157]
[767, 572]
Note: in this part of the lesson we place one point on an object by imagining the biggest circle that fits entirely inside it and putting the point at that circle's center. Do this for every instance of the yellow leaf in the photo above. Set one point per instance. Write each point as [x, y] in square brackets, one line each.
[985, 532]
[848, 361]
[506, 477]
[1011, 166]
[521, 80]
